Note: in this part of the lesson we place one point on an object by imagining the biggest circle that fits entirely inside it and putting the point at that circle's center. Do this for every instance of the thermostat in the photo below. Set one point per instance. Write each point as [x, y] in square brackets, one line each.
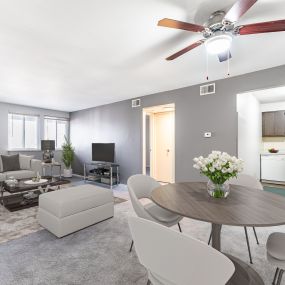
[207, 135]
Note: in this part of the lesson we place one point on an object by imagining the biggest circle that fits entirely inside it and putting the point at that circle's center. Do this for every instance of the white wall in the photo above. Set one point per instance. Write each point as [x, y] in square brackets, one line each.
[249, 132]
[276, 106]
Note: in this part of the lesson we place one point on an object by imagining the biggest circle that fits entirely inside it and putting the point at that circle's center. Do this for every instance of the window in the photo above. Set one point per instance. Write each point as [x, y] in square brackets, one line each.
[23, 131]
[56, 129]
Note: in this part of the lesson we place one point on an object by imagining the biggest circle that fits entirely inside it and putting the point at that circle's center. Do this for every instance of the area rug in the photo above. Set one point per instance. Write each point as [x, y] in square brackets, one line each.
[276, 190]
[100, 254]
[14, 225]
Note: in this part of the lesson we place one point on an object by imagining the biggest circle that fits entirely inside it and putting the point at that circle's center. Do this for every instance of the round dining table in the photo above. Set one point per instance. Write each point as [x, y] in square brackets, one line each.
[243, 207]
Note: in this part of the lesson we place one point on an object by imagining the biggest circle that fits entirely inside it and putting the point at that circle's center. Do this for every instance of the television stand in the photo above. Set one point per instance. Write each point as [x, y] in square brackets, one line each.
[102, 172]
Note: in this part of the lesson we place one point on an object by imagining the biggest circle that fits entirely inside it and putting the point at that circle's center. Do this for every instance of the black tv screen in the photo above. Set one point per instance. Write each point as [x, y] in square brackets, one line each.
[103, 152]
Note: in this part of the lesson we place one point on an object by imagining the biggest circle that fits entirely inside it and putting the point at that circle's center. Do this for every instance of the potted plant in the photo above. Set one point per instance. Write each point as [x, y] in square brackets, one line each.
[219, 167]
[67, 157]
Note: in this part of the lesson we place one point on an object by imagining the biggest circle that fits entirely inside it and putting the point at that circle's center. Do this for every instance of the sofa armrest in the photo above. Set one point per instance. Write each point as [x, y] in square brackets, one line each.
[36, 165]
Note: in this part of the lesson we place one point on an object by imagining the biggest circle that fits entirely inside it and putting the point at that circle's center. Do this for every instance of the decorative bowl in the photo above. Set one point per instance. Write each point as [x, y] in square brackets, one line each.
[273, 150]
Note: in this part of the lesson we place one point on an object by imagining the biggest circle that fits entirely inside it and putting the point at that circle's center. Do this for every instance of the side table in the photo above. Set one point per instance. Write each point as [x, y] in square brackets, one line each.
[51, 166]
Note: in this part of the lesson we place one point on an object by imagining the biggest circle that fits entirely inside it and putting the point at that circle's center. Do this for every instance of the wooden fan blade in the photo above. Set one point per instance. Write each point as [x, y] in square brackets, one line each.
[238, 9]
[169, 23]
[181, 52]
[224, 56]
[264, 27]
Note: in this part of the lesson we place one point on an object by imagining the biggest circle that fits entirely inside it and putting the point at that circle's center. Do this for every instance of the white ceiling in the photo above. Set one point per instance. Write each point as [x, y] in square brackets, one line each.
[71, 54]
[271, 95]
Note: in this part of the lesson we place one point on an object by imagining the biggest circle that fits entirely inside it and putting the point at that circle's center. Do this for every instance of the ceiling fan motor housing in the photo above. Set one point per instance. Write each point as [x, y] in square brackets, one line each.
[217, 23]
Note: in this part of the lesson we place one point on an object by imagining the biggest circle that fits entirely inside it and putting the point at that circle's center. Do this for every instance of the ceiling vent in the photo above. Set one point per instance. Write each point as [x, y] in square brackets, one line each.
[136, 103]
[207, 89]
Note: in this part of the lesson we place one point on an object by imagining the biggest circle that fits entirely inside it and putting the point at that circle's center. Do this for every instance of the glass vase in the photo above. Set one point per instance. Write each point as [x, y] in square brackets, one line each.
[218, 190]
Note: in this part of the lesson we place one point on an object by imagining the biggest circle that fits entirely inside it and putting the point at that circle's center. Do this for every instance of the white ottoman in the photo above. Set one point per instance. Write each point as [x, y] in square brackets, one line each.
[68, 210]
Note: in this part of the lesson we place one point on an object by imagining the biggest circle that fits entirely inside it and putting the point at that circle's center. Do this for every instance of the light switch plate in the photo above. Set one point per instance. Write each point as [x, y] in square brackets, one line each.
[207, 135]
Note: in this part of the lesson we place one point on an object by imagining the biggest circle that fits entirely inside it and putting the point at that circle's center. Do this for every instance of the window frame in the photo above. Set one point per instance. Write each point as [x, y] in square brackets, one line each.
[56, 119]
[23, 148]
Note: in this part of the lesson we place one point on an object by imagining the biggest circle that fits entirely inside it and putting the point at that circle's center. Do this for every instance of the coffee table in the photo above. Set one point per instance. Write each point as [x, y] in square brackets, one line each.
[18, 198]
[51, 165]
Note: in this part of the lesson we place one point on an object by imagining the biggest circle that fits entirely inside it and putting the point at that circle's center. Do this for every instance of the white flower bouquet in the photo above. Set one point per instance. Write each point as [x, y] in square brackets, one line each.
[218, 167]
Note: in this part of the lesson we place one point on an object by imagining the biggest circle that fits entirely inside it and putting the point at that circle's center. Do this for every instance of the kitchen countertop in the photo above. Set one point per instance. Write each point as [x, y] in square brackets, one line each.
[268, 153]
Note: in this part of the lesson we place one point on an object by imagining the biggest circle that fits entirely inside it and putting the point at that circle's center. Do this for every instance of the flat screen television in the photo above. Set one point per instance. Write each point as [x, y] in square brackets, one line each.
[104, 152]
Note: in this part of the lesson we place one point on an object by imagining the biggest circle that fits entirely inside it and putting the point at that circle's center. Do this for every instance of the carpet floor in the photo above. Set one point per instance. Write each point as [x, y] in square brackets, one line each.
[99, 254]
[17, 224]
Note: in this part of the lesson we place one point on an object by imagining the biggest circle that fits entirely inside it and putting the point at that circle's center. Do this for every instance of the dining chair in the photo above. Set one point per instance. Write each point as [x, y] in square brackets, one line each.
[247, 181]
[173, 258]
[140, 186]
[276, 255]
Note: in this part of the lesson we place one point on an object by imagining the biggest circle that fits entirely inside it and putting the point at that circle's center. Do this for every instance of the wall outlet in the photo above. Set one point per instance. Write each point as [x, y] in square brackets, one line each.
[207, 135]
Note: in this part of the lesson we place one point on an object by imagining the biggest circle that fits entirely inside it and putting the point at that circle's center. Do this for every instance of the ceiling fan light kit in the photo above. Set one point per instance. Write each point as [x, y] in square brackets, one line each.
[219, 43]
[218, 31]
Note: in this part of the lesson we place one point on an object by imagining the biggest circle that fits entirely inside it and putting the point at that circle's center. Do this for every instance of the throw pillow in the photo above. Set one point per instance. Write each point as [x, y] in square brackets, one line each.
[2, 152]
[10, 162]
[25, 161]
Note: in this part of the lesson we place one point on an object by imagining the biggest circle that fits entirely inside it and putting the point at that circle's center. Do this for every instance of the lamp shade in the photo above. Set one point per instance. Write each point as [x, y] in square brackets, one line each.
[48, 145]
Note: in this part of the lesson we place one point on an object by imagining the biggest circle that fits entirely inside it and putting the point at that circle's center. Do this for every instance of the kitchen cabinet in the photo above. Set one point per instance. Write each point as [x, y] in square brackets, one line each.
[273, 124]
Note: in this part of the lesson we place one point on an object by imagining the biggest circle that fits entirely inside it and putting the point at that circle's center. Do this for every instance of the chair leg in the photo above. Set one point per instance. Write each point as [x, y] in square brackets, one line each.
[179, 228]
[255, 235]
[275, 276]
[281, 271]
[210, 238]
[248, 246]
[131, 245]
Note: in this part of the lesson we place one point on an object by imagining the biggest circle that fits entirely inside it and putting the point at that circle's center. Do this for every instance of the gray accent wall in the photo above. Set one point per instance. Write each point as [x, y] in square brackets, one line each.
[6, 108]
[194, 115]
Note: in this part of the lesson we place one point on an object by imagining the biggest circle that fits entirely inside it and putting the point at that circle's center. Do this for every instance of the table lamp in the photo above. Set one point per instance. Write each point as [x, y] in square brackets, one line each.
[48, 146]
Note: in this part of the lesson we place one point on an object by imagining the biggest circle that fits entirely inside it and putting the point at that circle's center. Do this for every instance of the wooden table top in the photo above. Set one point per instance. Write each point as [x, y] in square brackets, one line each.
[243, 207]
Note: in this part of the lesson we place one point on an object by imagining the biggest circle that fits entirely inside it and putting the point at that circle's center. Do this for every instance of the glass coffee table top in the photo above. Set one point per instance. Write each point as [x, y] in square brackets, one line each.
[24, 196]
[22, 186]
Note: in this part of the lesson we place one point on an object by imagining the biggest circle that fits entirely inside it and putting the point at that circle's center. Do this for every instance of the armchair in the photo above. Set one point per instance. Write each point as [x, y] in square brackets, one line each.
[140, 186]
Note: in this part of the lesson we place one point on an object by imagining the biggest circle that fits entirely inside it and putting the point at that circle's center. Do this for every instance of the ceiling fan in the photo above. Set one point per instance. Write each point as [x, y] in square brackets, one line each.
[220, 28]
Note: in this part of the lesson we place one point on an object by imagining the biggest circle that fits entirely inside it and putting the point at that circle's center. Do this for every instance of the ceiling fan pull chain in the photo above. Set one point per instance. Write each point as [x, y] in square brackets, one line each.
[207, 66]
[228, 62]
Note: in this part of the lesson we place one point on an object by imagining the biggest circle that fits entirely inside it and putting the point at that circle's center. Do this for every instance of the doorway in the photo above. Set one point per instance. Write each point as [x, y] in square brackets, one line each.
[261, 126]
[159, 142]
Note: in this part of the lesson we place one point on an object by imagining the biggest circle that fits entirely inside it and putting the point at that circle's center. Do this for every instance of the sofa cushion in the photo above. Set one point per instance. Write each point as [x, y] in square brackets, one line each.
[2, 152]
[25, 161]
[2, 177]
[20, 174]
[10, 162]
[69, 201]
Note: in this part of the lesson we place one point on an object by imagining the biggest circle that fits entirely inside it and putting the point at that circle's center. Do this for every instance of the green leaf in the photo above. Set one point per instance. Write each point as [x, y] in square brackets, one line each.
[67, 153]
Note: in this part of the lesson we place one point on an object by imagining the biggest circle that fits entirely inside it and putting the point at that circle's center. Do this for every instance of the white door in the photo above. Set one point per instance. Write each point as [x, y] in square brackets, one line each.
[162, 167]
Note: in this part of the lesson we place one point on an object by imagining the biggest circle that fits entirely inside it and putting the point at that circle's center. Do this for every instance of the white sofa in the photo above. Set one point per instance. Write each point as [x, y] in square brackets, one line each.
[68, 210]
[28, 168]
